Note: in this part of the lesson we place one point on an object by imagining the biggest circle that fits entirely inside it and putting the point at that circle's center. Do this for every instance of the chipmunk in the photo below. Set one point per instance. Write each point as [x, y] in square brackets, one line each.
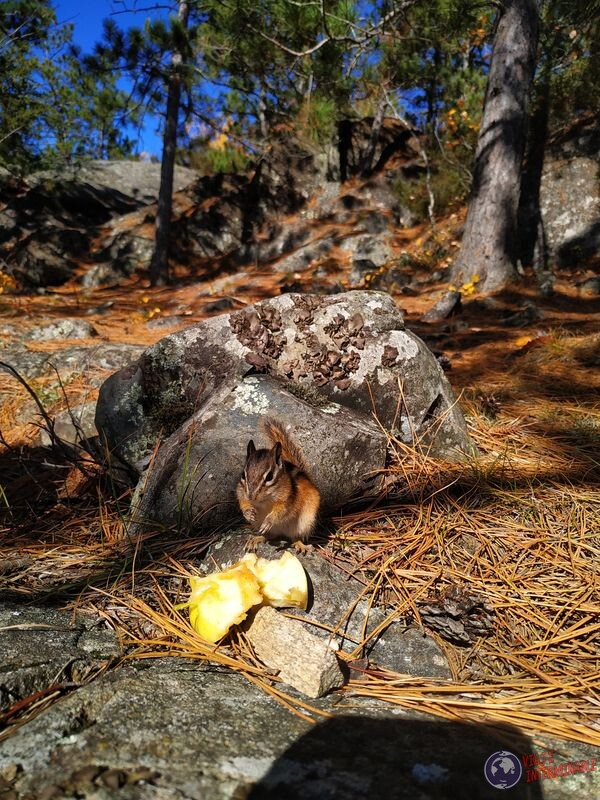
[275, 494]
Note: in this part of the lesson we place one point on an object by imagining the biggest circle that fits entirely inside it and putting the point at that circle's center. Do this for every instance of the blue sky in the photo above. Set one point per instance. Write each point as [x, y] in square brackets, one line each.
[87, 18]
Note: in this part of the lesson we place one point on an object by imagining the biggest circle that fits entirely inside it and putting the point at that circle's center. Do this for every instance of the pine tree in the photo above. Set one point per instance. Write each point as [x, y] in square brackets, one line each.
[160, 62]
[52, 111]
[489, 248]
[434, 74]
[24, 26]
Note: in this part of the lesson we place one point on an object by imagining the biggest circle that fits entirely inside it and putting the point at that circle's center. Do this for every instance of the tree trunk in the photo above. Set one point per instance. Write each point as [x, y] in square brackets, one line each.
[159, 265]
[533, 244]
[490, 242]
[366, 166]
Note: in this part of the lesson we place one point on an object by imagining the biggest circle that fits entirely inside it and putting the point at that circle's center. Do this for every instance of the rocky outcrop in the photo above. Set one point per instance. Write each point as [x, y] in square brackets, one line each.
[138, 181]
[50, 224]
[40, 647]
[570, 195]
[97, 222]
[324, 365]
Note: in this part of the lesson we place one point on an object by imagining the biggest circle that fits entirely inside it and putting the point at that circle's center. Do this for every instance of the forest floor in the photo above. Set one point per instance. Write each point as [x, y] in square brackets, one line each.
[513, 533]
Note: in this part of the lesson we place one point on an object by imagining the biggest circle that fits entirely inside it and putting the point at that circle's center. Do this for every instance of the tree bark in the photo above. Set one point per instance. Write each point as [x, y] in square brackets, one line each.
[159, 264]
[533, 244]
[490, 244]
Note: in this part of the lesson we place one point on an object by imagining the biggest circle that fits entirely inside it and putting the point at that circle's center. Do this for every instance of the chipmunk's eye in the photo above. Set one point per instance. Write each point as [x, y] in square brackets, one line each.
[269, 477]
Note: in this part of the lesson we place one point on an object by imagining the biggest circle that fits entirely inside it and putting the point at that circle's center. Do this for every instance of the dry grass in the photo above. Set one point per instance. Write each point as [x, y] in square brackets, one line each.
[518, 527]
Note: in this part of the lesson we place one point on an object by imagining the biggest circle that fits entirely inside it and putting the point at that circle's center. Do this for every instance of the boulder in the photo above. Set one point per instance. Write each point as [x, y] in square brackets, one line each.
[38, 263]
[324, 365]
[127, 181]
[126, 252]
[192, 481]
[570, 194]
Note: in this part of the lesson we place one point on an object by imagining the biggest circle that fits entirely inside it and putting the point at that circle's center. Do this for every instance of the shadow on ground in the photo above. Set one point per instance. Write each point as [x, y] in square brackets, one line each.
[350, 757]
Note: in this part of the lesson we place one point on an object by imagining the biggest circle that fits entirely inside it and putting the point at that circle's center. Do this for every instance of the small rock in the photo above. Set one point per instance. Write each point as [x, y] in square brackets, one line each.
[224, 304]
[301, 658]
[74, 425]
[526, 316]
[113, 779]
[591, 286]
[159, 323]
[63, 329]
[449, 304]
[398, 648]
[362, 268]
[100, 275]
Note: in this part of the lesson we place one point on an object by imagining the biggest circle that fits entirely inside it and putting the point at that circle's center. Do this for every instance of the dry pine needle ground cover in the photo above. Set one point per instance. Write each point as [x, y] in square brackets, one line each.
[505, 548]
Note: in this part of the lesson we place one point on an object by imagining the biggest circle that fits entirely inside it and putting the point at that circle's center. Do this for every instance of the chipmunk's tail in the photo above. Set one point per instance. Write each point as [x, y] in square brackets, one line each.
[276, 432]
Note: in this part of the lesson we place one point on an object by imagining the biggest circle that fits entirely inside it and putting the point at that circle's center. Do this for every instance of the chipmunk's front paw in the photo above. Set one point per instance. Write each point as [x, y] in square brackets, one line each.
[301, 547]
[252, 542]
[265, 527]
[250, 515]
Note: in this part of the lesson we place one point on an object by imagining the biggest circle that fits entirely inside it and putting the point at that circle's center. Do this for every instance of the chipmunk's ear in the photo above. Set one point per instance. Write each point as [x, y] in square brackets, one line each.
[251, 449]
[277, 452]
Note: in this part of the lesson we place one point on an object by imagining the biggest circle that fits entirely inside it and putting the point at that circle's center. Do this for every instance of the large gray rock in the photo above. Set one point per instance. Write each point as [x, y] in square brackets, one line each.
[570, 195]
[40, 647]
[336, 360]
[570, 202]
[178, 730]
[350, 348]
[137, 180]
[192, 481]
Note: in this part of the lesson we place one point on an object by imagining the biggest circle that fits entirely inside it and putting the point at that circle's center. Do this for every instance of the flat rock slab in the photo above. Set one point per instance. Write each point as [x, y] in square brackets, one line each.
[41, 646]
[70, 361]
[173, 730]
